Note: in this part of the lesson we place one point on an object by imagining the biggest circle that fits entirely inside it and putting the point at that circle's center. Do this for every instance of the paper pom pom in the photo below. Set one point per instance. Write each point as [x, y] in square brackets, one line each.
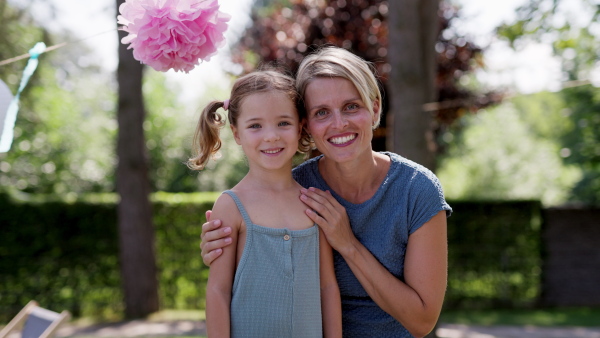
[173, 34]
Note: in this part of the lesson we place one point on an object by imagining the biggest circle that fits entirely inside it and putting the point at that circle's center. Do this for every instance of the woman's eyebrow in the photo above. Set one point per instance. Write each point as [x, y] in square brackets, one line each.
[343, 102]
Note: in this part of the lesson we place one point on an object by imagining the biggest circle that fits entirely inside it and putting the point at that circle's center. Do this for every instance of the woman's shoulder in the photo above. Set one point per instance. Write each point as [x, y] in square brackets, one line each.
[305, 169]
[307, 164]
[420, 183]
[410, 170]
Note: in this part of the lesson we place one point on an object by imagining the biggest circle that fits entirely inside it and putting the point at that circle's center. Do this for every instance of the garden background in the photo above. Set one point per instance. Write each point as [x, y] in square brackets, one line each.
[504, 157]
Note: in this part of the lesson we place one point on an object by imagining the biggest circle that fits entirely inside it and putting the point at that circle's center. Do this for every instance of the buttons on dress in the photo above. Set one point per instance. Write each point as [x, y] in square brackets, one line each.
[286, 237]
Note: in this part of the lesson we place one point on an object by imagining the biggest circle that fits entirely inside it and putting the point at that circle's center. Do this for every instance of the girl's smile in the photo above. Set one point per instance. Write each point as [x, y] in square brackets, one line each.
[268, 129]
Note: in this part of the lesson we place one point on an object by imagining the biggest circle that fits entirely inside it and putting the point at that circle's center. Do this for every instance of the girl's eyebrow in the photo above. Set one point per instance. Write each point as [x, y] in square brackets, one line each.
[258, 119]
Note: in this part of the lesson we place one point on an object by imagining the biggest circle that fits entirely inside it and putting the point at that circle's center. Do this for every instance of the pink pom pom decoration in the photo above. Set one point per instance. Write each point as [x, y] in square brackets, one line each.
[173, 34]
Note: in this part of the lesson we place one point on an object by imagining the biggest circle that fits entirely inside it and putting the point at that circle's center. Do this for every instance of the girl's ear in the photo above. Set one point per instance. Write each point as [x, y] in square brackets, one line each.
[236, 135]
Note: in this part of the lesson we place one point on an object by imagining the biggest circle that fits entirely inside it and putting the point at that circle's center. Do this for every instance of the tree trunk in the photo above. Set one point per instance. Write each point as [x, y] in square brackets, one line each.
[136, 232]
[413, 28]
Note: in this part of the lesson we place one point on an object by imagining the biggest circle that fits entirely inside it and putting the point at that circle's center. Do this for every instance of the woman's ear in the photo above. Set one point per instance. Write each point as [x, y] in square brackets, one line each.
[376, 112]
[236, 135]
[301, 127]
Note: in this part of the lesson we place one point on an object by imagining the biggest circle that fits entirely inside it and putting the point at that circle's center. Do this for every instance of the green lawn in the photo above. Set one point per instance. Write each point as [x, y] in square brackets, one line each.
[537, 317]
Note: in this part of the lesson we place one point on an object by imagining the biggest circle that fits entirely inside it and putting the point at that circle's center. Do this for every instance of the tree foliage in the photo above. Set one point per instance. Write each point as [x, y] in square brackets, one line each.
[510, 152]
[64, 129]
[572, 27]
[581, 141]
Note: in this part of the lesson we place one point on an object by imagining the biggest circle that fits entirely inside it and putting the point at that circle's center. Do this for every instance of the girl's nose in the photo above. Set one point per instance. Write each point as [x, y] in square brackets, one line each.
[271, 135]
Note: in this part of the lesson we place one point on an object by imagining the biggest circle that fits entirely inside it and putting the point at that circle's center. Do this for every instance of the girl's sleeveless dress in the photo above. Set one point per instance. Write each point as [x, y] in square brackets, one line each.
[276, 288]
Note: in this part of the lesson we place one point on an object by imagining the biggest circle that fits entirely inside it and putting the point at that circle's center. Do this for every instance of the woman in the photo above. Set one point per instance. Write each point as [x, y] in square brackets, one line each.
[384, 215]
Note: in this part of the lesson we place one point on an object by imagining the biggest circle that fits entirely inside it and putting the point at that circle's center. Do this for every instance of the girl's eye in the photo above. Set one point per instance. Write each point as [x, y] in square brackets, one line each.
[284, 123]
[254, 126]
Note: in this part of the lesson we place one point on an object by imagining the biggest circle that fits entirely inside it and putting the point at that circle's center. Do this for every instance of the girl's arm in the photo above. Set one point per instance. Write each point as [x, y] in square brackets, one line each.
[415, 303]
[331, 305]
[222, 271]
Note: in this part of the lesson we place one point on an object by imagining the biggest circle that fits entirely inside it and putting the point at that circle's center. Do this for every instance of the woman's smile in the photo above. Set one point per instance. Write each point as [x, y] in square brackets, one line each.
[343, 139]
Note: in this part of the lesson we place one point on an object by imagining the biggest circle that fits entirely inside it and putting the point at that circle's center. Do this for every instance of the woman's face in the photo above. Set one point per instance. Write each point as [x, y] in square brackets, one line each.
[338, 119]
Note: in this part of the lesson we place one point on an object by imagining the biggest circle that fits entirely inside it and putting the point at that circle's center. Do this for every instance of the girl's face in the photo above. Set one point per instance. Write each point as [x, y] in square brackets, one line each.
[338, 119]
[268, 129]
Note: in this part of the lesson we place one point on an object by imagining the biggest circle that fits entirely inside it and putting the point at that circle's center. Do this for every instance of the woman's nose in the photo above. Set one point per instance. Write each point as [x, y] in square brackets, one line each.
[339, 120]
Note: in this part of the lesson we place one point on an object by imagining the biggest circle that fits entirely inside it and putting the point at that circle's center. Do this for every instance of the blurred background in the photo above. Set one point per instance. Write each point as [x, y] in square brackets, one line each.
[513, 133]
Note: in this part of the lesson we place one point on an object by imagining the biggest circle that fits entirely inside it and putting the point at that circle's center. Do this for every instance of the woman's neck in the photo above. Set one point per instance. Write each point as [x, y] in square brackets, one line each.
[356, 181]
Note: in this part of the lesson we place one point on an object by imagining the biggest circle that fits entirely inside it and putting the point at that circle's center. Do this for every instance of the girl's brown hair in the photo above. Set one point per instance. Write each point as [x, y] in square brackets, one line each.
[207, 142]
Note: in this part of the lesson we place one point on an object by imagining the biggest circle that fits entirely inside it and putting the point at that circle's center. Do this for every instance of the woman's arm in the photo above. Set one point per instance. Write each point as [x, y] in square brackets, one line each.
[220, 281]
[213, 239]
[331, 304]
[417, 302]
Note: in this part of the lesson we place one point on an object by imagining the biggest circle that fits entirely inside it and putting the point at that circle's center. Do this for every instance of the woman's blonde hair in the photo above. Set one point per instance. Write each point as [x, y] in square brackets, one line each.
[207, 142]
[337, 62]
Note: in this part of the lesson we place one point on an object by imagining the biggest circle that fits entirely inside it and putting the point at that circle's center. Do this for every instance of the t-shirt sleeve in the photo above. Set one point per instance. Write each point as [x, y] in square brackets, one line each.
[426, 200]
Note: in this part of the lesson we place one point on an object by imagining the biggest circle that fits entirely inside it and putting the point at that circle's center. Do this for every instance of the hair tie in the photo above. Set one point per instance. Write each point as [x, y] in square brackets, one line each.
[226, 104]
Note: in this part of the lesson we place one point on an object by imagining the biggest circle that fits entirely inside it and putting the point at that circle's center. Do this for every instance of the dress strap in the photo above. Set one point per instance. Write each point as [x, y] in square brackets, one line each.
[240, 207]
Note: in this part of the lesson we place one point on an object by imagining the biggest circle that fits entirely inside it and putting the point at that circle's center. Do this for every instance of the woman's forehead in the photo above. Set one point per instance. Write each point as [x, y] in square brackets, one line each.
[325, 88]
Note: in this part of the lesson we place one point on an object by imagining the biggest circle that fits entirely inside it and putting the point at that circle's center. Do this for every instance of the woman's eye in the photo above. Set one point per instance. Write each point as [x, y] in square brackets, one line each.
[320, 113]
[352, 106]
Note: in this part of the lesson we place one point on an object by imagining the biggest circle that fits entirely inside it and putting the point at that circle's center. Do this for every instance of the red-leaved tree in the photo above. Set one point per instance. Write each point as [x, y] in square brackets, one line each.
[288, 32]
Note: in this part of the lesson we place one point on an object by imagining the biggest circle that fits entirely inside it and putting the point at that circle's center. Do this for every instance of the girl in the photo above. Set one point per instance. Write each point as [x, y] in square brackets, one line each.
[277, 279]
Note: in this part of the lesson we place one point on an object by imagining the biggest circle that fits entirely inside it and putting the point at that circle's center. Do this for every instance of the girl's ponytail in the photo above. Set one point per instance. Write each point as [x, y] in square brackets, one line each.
[206, 138]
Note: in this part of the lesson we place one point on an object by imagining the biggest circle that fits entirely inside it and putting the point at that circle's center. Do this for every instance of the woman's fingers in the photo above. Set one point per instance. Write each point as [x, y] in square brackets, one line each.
[214, 249]
[213, 239]
[315, 217]
[330, 215]
[318, 201]
[209, 227]
[211, 256]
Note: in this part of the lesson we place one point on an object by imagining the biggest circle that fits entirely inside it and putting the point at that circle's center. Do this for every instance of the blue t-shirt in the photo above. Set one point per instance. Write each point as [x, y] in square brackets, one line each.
[409, 196]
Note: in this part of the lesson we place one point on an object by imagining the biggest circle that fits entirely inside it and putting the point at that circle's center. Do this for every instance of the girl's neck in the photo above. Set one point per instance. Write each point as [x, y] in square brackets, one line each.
[275, 180]
[356, 181]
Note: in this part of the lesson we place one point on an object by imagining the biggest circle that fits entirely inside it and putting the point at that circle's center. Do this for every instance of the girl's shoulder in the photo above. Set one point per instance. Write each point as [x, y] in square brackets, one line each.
[226, 210]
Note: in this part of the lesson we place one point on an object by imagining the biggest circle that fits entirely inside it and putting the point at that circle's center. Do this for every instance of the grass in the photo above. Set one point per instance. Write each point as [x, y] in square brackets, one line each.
[586, 317]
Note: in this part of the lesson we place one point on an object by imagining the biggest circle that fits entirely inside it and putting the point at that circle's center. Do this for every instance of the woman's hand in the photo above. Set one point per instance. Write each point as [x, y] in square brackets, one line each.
[213, 239]
[330, 216]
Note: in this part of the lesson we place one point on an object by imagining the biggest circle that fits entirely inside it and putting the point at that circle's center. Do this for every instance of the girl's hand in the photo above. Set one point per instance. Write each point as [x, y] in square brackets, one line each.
[330, 216]
[213, 239]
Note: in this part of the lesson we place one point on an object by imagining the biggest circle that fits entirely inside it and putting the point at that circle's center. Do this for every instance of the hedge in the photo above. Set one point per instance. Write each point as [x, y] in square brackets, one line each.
[64, 254]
